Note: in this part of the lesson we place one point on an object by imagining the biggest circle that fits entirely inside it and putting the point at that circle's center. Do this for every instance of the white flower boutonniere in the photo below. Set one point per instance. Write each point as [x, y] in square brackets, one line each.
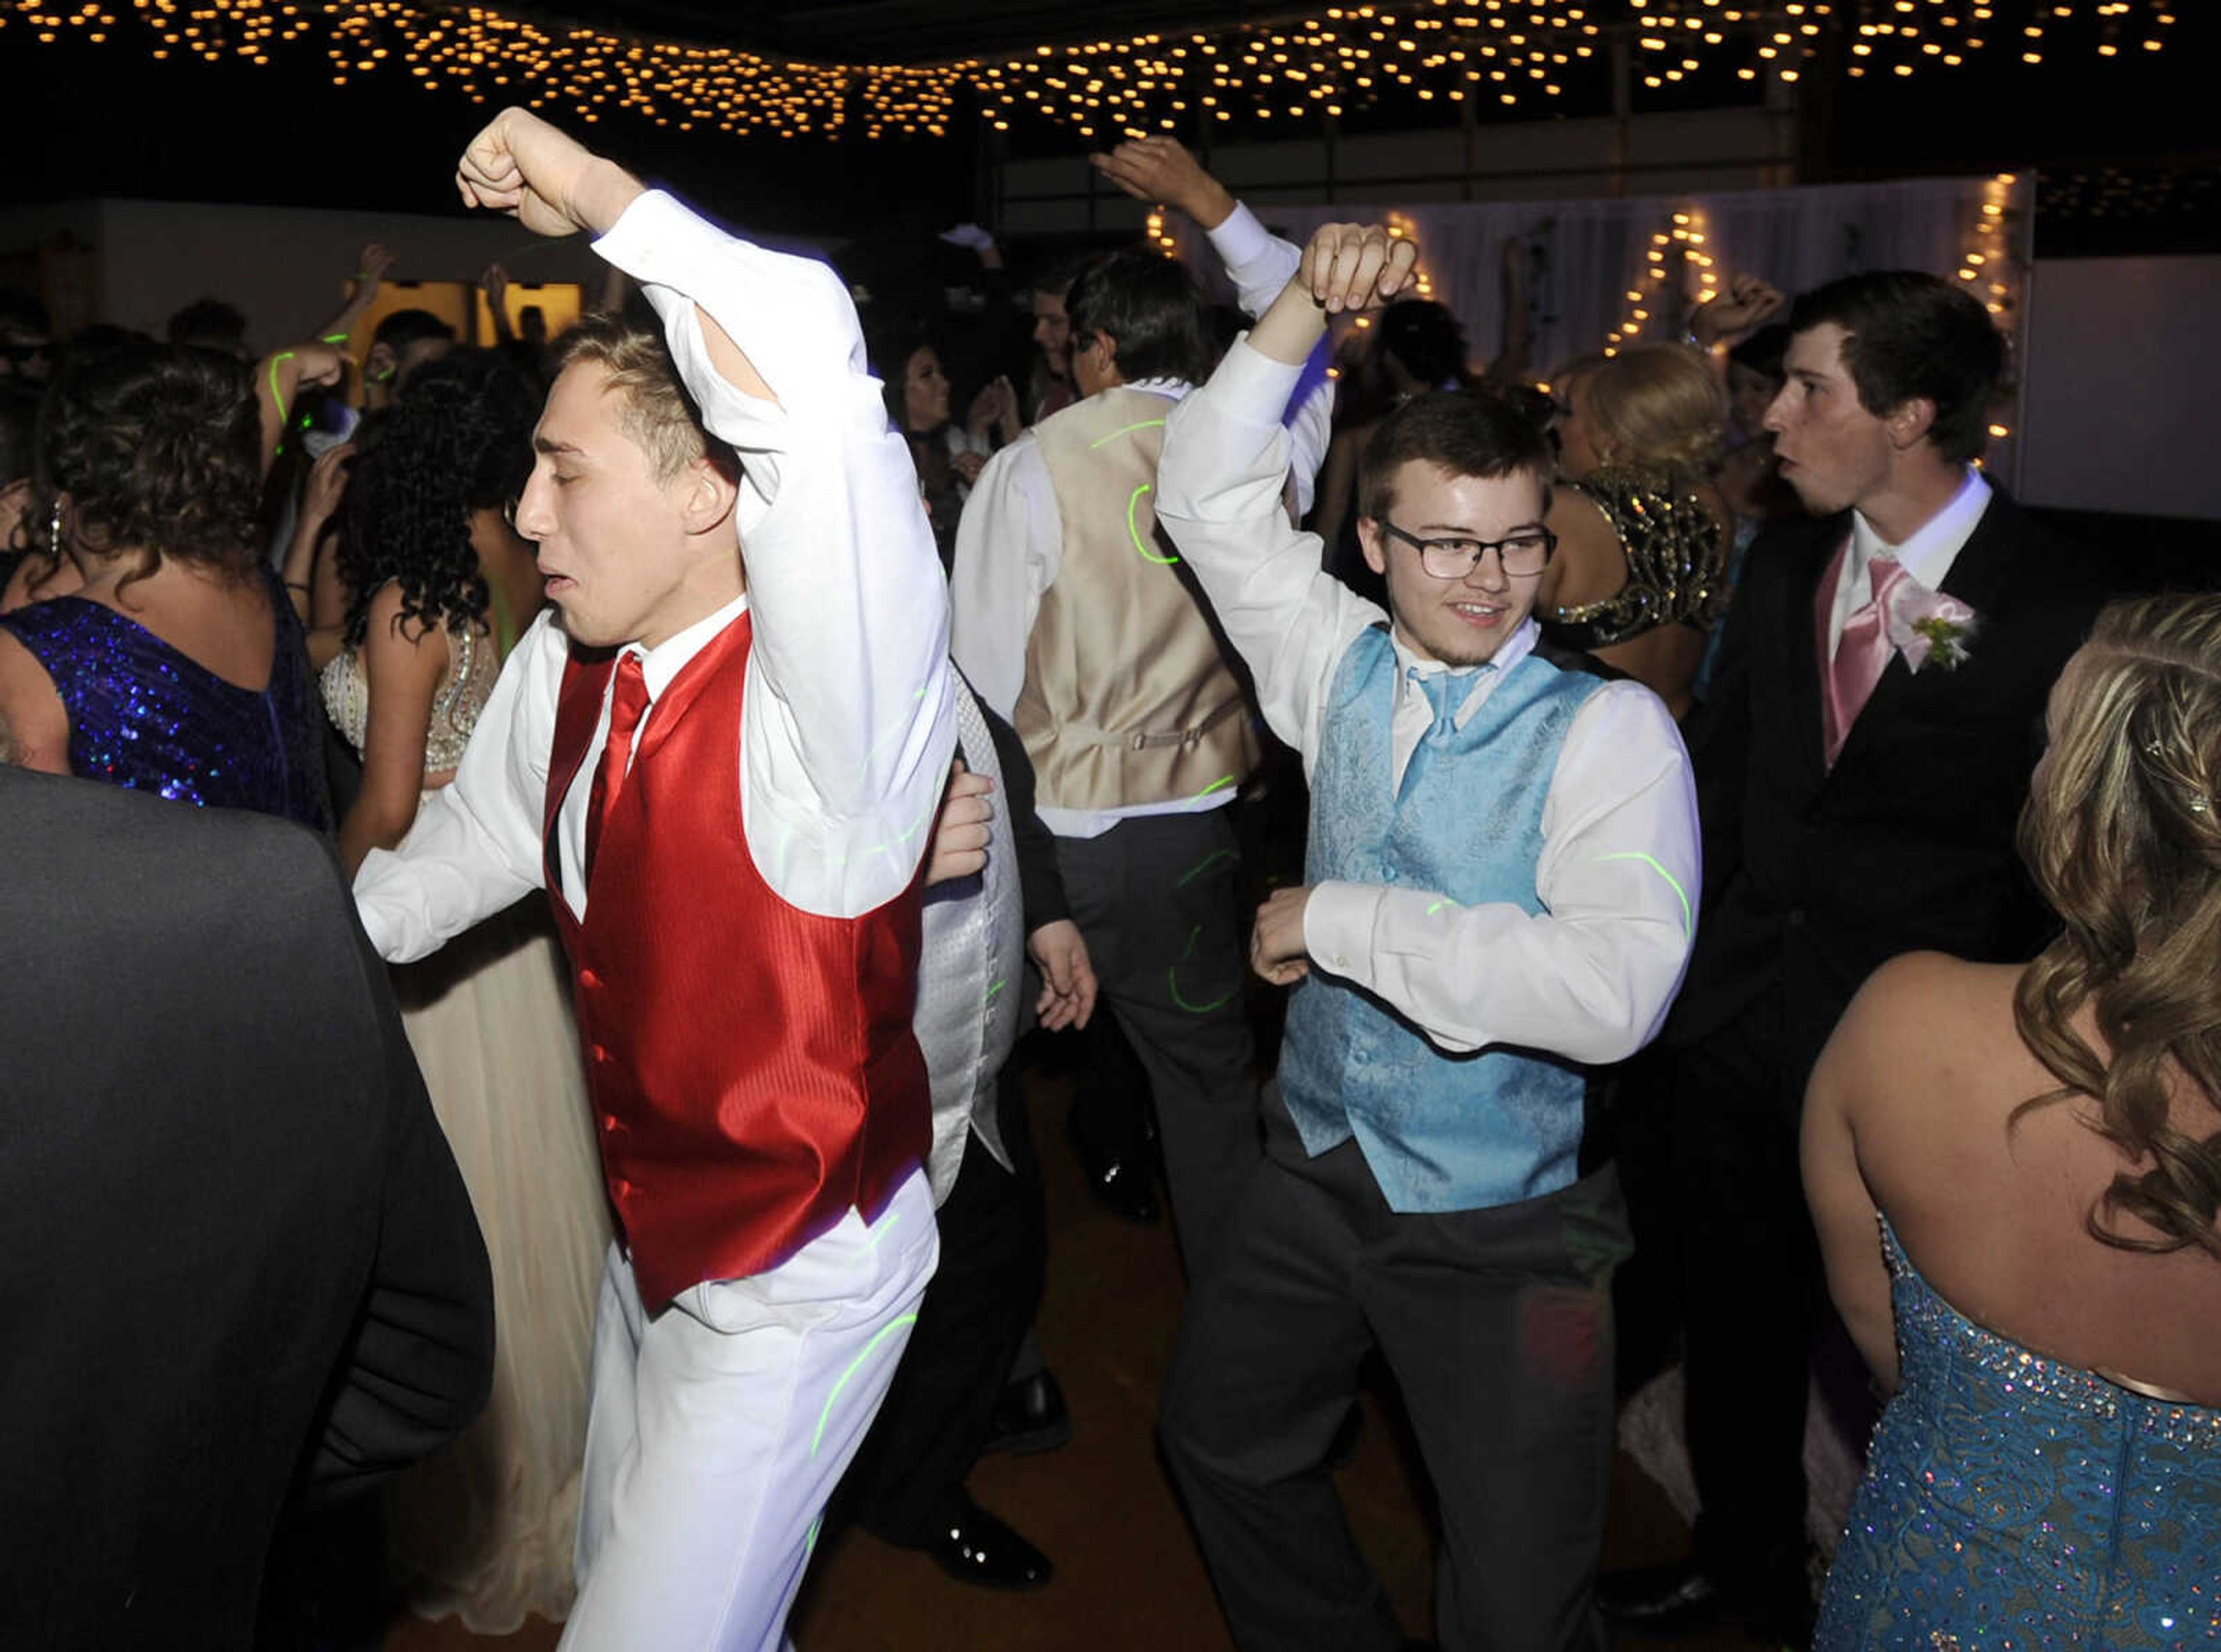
[1929, 629]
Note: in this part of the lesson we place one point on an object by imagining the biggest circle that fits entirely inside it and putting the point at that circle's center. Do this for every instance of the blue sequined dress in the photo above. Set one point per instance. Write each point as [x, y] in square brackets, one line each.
[2012, 1502]
[144, 716]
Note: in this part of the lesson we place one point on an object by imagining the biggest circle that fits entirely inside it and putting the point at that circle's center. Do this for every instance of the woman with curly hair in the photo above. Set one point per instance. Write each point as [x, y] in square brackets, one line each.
[1639, 574]
[160, 655]
[2041, 1145]
[440, 586]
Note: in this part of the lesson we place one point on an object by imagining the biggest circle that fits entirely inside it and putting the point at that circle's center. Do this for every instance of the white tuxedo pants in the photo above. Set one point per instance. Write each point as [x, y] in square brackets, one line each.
[719, 1427]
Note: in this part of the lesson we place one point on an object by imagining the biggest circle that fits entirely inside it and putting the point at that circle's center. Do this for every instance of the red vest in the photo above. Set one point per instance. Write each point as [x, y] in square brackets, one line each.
[751, 1065]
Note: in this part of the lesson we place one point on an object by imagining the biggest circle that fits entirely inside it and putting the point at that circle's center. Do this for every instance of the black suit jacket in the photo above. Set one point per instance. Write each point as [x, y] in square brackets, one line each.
[236, 1258]
[1814, 877]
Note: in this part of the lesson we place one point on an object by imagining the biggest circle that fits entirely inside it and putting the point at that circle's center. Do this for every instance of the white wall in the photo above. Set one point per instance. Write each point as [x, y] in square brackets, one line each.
[2119, 412]
[287, 268]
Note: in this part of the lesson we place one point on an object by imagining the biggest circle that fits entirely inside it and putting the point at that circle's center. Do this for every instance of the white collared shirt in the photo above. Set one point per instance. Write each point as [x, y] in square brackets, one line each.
[1591, 976]
[1009, 541]
[1927, 556]
[846, 727]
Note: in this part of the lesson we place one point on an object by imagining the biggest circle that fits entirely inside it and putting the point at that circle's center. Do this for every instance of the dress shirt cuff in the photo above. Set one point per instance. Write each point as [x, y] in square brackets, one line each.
[1240, 237]
[386, 928]
[1338, 923]
[1251, 386]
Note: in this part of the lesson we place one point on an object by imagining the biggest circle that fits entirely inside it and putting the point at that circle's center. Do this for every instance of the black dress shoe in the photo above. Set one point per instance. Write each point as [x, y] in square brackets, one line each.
[1121, 1185]
[973, 1546]
[1679, 1598]
[1029, 1417]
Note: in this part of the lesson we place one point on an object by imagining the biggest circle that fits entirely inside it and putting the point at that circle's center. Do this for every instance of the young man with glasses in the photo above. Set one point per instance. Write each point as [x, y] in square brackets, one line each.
[1502, 844]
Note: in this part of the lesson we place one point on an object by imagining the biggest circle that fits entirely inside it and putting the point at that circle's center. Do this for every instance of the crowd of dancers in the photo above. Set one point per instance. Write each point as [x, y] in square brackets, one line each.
[1742, 844]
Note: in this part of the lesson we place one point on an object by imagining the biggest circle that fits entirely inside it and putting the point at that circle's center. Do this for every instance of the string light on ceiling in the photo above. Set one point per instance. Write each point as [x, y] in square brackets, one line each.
[1505, 55]
[491, 57]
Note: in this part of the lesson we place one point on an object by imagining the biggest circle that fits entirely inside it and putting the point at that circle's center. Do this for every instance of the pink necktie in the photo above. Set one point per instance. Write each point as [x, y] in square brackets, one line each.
[1860, 657]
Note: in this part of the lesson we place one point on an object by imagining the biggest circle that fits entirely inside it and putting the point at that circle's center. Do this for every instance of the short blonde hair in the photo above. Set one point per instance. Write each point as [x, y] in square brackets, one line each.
[1658, 404]
[658, 413]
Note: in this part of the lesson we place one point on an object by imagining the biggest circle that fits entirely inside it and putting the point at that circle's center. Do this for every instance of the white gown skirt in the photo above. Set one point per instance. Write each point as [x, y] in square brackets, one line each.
[485, 1530]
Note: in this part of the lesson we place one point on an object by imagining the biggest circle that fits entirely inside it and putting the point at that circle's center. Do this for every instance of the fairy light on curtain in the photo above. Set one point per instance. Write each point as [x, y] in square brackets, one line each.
[1676, 257]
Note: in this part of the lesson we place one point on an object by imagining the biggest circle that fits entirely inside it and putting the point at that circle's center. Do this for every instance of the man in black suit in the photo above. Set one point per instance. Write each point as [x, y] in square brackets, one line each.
[1860, 765]
[236, 1257]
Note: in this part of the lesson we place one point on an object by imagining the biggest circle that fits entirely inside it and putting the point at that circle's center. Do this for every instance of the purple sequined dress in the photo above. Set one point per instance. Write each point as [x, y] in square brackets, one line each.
[142, 715]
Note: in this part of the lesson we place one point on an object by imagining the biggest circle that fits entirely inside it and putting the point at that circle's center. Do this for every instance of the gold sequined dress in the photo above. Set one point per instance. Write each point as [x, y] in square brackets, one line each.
[485, 1530]
[1676, 558]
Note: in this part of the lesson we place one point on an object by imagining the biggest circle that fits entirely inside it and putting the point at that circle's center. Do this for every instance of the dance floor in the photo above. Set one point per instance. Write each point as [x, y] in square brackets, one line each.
[1128, 1574]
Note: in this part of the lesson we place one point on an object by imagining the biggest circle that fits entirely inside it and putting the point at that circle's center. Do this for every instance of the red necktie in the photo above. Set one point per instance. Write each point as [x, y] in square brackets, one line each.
[627, 703]
[1860, 657]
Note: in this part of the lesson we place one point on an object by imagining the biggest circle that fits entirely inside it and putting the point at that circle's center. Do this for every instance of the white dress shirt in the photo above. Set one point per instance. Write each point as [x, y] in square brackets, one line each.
[1009, 541]
[847, 727]
[1927, 556]
[1591, 976]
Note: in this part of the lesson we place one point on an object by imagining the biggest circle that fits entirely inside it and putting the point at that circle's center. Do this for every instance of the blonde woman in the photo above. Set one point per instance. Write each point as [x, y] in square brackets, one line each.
[2042, 1146]
[1642, 534]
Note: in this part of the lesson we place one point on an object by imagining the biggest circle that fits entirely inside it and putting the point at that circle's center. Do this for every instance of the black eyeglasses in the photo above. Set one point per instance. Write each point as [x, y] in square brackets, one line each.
[1522, 556]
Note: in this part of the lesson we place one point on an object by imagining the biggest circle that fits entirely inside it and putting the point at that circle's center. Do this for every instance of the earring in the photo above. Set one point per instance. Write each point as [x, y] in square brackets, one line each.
[54, 531]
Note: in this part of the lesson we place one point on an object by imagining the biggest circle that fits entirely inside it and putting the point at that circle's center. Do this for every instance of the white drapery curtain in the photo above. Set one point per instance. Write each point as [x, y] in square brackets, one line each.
[1585, 257]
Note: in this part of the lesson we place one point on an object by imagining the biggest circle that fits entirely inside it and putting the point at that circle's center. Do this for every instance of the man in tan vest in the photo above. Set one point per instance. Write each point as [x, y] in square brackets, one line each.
[1074, 617]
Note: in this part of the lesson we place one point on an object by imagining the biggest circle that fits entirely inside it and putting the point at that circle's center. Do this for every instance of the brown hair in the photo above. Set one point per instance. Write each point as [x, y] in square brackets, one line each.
[2122, 836]
[1656, 404]
[658, 413]
[1465, 432]
[157, 447]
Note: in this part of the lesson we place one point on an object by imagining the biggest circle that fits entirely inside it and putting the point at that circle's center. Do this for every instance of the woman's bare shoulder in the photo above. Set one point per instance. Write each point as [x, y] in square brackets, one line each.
[1921, 1013]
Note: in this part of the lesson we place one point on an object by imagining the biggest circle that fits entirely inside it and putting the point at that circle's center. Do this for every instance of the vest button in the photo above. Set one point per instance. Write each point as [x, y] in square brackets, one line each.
[601, 1053]
[609, 1123]
[588, 979]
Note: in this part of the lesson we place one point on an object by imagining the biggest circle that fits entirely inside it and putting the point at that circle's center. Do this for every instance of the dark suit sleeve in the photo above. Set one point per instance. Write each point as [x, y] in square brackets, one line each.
[1718, 732]
[420, 1362]
[1040, 885]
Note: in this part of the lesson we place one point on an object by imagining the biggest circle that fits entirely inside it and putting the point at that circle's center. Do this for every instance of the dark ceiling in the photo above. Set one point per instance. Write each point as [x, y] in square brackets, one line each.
[914, 31]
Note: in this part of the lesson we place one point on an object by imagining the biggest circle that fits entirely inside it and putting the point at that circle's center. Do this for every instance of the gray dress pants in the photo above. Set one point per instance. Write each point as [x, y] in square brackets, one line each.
[1158, 899]
[1496, 1324]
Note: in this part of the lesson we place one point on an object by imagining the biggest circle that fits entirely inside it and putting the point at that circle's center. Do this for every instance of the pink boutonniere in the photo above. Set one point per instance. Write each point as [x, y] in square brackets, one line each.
[1928, 628]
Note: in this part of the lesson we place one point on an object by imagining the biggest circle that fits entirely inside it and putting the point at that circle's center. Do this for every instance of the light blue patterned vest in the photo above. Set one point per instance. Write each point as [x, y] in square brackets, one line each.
[1440, 1132]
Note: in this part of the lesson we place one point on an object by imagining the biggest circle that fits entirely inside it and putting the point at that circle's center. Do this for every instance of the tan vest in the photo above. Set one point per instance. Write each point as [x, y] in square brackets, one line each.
[1128, 698]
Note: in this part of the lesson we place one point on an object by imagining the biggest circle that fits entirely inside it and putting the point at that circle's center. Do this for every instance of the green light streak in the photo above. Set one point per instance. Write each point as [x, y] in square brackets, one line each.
[1688, 921]
[870, 1348]
[1218, 784]
[1125, 430]
[1172, 980]
[1203, 865]
[278, 394]
[1134, 530]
